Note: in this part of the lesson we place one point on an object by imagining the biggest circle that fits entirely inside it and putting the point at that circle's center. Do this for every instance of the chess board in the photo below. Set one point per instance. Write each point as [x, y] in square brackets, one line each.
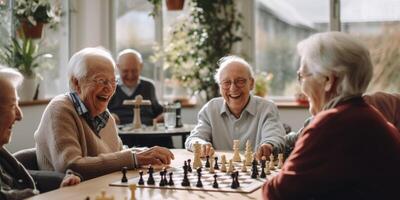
[247, 184]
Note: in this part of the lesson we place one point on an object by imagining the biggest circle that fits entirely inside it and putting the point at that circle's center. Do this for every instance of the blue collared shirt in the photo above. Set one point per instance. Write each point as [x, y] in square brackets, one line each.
[96, 123]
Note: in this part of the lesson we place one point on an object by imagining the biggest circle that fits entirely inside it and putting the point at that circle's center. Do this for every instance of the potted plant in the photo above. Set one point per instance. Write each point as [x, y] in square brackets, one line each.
[171, 5]
[33, 14]
[23, 54]
[262, 83]
[198, 42]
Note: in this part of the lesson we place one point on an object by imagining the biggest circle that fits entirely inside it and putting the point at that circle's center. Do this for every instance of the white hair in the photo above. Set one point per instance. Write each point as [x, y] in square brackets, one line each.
[338, 54]
[130, 51]
[225, 61]
[77, 67]
[11, 75]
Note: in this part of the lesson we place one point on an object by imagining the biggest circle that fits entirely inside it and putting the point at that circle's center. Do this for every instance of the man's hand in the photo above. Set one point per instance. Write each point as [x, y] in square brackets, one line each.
[155, 156]
[264, 150]
[206, 150]
[70, 179]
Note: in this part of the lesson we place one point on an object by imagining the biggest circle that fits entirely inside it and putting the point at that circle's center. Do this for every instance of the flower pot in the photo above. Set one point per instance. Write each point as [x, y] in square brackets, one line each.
[28, 89]
[29, 30]
[175, 4]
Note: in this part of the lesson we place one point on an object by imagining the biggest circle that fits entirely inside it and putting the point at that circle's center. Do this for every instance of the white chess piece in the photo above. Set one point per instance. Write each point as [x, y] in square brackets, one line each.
[280, 160]
[244, 169]
[103, 196]
[196, 151]
[248, 154]
[212, 171]
[132, 188]
[236, 155]
[223, 163]
[271, 162]
[231, 168]
[267, 171]
[137, 122]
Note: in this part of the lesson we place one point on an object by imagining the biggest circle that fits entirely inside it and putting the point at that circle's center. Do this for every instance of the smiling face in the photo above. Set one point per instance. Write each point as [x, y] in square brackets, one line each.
[241, 83]
[129, 68]
[10, 111]
[98, 86]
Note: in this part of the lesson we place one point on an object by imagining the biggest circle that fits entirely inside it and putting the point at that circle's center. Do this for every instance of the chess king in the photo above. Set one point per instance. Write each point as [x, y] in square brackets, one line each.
[237, 115]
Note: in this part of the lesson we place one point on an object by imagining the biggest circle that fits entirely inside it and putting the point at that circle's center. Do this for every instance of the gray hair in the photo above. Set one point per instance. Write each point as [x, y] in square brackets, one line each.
[12, 75]
[338, 54]
[225, 61]
[130, 51]
[77, 67]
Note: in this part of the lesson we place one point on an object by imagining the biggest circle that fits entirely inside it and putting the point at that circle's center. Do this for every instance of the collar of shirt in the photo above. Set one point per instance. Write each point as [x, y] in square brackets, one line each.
[127, 90]
[250, 107]
[97, 123]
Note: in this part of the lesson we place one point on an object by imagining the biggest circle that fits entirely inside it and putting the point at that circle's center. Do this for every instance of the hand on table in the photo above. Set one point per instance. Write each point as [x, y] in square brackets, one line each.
[264, 150]
[207, 150]
[155, 156]
[70, 179]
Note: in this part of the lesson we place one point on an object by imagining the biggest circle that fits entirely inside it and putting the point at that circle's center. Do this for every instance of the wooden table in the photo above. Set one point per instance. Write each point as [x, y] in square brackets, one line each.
[93, 187]
[127, 133]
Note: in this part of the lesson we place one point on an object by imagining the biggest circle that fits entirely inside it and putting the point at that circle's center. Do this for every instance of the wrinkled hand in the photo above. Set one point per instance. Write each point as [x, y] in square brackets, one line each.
[155, 156]
[207, 150]
[70, 179]
[264, 150]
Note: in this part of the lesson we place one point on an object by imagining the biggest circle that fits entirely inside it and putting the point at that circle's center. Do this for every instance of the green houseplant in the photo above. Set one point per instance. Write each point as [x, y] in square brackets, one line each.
[198, 42]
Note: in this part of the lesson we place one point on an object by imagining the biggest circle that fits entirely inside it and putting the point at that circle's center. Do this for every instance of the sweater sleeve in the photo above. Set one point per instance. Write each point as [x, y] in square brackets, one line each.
[272, 129]
[62, 136]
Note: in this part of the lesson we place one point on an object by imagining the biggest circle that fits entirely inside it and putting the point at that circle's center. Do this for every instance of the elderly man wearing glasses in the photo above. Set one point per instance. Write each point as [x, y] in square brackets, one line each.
[78, 132]
[237, 115]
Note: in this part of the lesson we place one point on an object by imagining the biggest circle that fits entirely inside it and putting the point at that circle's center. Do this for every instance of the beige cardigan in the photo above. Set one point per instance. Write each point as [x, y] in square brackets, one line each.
[65, 141]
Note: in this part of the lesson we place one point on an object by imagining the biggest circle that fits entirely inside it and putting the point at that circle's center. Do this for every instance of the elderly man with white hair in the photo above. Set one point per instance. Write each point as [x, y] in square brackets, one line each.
[348, 150]
[237, 115]
[15, 181]
[78, 132]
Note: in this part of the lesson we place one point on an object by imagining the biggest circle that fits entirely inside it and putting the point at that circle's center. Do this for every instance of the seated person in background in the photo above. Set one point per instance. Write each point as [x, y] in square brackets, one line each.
[238, 115]
[130, 84]
[387, 104]
[15, 182]
[77, 131]
[348, 150]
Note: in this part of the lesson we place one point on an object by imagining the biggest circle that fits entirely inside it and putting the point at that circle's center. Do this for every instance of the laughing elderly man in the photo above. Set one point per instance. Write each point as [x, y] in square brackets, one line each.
[238, 115]
[78, 132]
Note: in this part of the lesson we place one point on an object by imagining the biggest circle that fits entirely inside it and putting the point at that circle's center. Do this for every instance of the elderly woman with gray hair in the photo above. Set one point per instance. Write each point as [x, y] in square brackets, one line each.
[78, 132]
[348, 151]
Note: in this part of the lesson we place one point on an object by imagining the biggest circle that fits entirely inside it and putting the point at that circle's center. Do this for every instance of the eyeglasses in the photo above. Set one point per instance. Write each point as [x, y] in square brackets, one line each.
[105, 82]
[240, 82]
[300, 77]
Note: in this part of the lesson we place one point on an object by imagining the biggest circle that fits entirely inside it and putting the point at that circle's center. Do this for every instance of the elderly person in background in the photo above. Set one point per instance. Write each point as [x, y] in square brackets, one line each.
[77, 131]
[15, 182]
[348, 151]
[237, 115]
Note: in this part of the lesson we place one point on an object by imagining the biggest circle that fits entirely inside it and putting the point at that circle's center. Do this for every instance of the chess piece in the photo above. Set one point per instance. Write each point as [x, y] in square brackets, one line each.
[248, 153]
[233, 184]
[199, 183]
[271, 162]
[231, 168]
[137, 122]
[267, 172]
[223, 167]
[236, 155]
[189, 167]
[215, 184]
[211, 169]
[254, 169]
[103, 196]
[212, 152]
[141, 181]
[197, 153]
[162, 184]
[216, 163]
[223, 159]
[170, 182]
[207, 161]
[124, 179]
[185, 181]
[132, 188]
[150, 180]
[280, 160]
[237, 179]
[263, 160]
[244, 169]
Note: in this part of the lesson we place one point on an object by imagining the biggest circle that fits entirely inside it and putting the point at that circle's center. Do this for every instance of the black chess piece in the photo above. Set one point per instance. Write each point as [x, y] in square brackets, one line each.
[254, 170]
[233, 184]
[207, 161]
[216, 163]
[150, 180]
[124, 179]
[263, 175]
[237, 179]
[199, 183]
[170, 182]
[141, 181]
[162, 179]
[185, 181]
[215, 184]
[189, 166]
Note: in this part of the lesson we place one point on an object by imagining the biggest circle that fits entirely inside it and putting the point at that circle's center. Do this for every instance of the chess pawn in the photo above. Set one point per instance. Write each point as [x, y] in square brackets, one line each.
[223, 159]
[280, 160]
[271, 162]
[267, 171]
[244, 169]
[212, 171]
[231, 168]
[236, 155]
[223, 167]
[197, 152]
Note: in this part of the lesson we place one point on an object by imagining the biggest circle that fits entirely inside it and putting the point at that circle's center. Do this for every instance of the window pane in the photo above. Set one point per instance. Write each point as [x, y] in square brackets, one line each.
[280, 25]
[136, 29]
[377, 23]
